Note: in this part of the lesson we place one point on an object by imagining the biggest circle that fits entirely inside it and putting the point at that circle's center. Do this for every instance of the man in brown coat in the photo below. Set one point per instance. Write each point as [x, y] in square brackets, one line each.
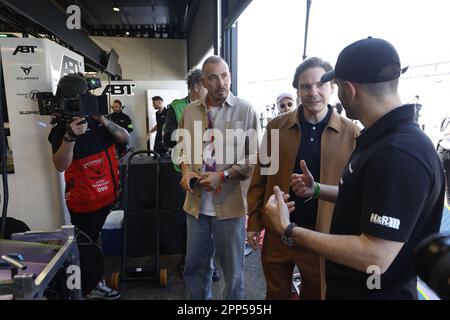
[313, 132]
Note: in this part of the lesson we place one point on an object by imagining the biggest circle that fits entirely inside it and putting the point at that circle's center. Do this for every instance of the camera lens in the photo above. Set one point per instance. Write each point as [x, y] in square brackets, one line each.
[432, 257]
[73, 105]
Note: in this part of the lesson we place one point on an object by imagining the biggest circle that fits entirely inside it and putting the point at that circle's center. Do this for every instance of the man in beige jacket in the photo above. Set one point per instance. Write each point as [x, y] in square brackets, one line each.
[316, 133]
[218, 150]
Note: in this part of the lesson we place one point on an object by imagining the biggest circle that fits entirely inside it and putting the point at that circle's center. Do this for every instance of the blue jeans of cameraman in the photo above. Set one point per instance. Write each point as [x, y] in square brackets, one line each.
[205, 236]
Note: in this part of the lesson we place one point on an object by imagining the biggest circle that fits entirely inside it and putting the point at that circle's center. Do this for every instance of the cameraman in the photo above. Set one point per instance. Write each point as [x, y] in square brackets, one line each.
[84, 148]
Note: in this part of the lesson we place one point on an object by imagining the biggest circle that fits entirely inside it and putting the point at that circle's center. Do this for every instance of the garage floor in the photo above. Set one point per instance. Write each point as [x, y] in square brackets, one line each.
[255, 285]
[254, 279]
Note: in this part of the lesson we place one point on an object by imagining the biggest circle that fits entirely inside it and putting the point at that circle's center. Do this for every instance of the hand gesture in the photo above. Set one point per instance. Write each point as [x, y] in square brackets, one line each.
[278, 209]
[303, 184]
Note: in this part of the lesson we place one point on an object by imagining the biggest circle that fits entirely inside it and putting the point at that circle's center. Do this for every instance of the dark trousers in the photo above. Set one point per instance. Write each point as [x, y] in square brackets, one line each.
[444, 155]
[121, 149]
[278, 261]
[91, 258]
[90, 223]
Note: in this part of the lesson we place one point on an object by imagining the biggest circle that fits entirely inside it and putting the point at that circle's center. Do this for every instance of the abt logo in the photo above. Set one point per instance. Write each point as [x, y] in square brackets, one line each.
[24, 49]
[120, 89]
[69, 65]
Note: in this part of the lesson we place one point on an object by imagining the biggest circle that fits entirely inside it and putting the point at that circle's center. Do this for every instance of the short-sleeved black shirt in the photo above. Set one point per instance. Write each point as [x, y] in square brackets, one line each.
[91, 179]
[96, 139]
[392, 188]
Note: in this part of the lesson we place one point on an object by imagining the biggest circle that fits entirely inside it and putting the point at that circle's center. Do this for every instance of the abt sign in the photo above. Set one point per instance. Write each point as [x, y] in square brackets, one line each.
[24, 49]
[120, 89]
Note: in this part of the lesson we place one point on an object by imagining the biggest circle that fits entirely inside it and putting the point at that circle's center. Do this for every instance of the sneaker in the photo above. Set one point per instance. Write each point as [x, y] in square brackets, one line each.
[102, 291]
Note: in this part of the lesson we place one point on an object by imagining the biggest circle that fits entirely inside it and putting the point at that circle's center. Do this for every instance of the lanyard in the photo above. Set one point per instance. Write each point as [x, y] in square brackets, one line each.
[210, 121]
[210, 165]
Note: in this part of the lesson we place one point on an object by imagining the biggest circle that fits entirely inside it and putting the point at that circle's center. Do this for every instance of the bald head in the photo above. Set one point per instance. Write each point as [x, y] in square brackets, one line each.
[213, 59]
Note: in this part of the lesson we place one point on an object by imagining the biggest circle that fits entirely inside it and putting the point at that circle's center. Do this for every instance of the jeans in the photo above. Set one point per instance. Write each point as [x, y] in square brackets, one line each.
[206, 236]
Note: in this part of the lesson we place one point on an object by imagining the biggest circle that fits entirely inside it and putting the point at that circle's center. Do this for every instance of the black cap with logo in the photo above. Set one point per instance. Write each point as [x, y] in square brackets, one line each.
[368, 60]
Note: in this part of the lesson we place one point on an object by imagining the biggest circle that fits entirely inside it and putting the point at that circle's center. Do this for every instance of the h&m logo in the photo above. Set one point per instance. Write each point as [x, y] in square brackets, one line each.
[120, 89]
[24, 49]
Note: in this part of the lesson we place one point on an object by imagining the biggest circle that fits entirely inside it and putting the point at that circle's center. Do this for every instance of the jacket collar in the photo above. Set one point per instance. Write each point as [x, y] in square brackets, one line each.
[335, 120]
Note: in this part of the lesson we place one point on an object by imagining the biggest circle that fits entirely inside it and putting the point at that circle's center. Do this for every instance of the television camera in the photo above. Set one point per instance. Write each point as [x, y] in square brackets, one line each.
[73, 99]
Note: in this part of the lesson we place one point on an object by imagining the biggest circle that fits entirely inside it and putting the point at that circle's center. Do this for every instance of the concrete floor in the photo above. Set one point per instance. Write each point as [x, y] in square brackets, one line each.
[255, 285]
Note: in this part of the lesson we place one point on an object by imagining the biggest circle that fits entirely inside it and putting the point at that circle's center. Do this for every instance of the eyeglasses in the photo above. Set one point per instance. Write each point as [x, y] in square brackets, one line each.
[284, 105]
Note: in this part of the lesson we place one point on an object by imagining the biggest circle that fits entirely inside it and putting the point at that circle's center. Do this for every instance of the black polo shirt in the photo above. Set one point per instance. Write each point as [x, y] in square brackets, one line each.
[122, 119]
[305, 213]
[392, 188]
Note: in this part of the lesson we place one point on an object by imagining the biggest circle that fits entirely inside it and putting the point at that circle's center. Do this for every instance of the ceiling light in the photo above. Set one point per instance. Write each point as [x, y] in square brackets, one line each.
[116, 9]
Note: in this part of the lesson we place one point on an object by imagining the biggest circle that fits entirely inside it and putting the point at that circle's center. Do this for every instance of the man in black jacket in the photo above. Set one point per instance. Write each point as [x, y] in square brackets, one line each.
[123, 120]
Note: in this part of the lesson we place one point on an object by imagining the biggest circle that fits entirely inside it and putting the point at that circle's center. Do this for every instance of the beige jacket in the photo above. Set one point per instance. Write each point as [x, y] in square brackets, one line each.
[337, 144]
[235, 119]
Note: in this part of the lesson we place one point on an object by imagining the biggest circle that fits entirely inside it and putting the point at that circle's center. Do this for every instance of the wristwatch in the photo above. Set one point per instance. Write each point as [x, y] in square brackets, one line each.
[226, 175]
[286, 238]
[69, 138]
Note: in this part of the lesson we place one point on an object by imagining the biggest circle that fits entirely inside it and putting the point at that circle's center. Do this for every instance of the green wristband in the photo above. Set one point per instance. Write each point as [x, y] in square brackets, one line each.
[316, 191]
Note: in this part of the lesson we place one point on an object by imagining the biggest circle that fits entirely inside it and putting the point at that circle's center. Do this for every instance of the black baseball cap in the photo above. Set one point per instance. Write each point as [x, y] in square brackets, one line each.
[365, 61]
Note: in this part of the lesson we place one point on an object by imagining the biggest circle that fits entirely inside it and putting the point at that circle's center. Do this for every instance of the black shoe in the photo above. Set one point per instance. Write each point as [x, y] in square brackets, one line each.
[215, 276]
[102, 291]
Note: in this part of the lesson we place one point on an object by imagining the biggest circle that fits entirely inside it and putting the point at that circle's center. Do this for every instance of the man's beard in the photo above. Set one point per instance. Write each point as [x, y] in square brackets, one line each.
[348, 111]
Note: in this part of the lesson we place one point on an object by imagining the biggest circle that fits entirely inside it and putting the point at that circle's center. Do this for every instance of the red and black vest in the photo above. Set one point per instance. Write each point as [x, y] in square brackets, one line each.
[92, 177]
